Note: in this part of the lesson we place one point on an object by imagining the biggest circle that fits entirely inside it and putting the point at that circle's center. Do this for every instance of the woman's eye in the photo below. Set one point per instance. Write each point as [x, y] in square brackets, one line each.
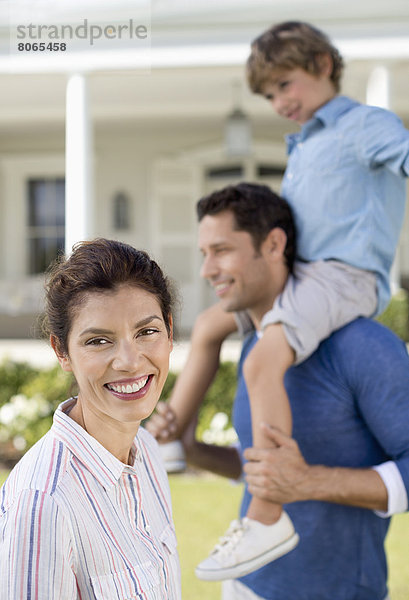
[97, 342]
[148, 331]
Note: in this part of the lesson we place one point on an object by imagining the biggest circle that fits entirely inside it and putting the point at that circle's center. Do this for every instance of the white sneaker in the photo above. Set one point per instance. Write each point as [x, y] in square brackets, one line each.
[173, 455]
[247, 546]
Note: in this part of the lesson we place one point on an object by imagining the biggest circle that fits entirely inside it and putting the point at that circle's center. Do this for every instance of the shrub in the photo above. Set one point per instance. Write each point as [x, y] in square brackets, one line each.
[396, 315]
[33, 395]
[219, 398]
[13, 376]
[54, 385]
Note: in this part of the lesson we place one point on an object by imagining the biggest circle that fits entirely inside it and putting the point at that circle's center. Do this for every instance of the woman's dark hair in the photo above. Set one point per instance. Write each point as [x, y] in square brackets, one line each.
[95, 266]
[257, 210]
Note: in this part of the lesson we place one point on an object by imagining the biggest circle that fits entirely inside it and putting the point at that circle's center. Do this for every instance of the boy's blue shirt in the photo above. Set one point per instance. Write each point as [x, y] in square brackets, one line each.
[345, 181]
[350, 408]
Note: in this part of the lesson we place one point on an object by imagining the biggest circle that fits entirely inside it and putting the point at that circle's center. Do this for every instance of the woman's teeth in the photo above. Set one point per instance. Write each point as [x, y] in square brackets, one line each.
[128, 389]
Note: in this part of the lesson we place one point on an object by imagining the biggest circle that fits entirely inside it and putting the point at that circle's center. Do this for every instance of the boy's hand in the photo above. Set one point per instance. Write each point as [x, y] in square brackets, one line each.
[162, 424]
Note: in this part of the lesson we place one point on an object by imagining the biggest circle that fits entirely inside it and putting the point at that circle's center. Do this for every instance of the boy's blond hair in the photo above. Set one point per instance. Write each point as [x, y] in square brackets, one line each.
[288, 46]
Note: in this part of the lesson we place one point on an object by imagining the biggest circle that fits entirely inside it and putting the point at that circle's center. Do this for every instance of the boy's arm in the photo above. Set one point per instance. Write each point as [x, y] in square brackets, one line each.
[383, 140]
[211, 328]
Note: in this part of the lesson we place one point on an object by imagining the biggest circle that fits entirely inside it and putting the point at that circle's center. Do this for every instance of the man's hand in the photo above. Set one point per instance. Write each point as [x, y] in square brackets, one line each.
[281, 475]
[162, 424]
[278, 474]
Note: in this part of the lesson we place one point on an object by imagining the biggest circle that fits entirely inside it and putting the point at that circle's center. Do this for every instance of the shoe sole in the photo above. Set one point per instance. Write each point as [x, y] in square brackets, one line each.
[249, 566]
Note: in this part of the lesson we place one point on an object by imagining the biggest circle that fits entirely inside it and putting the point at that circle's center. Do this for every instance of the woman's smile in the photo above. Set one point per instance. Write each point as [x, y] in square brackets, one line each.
[130, 389]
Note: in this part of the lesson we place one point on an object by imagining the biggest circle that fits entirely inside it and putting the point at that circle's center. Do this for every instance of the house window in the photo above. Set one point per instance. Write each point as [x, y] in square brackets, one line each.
[225, 172]
[269, 171]
[121, 211]
[46, 222]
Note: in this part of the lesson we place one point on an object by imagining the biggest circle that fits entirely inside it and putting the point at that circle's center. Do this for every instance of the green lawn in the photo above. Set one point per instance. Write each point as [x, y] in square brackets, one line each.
[204, 506]
[202, 509]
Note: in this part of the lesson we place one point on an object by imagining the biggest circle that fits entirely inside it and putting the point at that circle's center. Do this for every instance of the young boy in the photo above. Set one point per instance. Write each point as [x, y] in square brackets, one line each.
[345, 184]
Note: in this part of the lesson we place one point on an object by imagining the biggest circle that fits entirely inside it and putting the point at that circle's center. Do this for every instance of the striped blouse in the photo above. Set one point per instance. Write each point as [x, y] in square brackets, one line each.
[75, 522]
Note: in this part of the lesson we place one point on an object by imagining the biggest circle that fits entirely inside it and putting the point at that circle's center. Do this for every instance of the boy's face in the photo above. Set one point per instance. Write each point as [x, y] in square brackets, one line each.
[297, 94]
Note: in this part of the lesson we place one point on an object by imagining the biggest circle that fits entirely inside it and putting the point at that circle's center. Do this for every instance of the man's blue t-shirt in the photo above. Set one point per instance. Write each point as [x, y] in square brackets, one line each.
[350, 405]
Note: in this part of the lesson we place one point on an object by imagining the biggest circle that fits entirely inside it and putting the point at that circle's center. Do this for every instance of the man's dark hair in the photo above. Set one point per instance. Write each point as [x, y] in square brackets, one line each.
[256, 209]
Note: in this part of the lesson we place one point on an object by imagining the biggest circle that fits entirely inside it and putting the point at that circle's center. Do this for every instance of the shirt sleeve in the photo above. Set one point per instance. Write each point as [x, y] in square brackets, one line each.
[383, 141]
[244, 323]
[397, 496]
[35, 550]
[378, 373]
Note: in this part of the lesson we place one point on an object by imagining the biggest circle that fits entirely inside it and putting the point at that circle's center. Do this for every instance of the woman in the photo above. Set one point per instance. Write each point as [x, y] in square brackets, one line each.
[86, 512]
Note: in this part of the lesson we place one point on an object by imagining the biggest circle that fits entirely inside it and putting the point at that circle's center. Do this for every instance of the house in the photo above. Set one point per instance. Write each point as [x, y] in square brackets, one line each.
[119, 135]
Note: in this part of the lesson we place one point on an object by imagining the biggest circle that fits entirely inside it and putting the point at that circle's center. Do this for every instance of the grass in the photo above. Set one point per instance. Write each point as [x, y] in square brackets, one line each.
[397, 552]
[202, 509]
[204, 506]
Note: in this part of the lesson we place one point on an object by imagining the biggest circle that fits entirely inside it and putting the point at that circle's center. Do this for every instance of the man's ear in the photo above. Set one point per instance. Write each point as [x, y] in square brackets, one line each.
[275, 243]
[62, 358]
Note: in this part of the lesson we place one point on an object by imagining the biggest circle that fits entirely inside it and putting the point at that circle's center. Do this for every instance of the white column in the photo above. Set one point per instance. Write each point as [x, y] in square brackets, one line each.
[378, 94]
[78, 164]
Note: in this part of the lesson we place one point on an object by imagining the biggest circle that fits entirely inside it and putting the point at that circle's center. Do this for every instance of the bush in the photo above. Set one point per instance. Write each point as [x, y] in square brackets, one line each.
[396, 315]
[54, 385]
[29, 401]
[219, 398]
[13, 376]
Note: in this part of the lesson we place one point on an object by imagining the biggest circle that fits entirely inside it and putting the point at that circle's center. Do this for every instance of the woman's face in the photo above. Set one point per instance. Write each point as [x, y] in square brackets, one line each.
[118, 350]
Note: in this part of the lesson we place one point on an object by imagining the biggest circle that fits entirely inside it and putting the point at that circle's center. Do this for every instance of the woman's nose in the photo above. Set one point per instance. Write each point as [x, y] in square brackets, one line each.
[127, 357]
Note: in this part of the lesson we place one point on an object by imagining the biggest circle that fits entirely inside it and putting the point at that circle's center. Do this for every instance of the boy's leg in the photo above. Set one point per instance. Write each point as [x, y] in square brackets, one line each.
[264, 371]
[267, 532]
[318, 299]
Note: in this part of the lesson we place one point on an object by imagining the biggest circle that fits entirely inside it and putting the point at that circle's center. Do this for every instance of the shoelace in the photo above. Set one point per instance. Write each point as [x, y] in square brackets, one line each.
[231, 538]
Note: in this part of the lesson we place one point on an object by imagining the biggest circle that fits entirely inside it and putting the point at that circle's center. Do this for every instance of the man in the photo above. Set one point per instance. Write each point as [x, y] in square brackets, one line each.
[350, 410]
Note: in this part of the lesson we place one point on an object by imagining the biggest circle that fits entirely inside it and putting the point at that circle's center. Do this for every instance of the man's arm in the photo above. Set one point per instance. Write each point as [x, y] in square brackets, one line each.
[281, 475]
[211, 328]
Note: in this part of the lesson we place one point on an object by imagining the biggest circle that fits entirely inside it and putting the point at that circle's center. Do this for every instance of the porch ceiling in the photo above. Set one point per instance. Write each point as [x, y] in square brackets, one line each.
[164, 95]
[204, 91]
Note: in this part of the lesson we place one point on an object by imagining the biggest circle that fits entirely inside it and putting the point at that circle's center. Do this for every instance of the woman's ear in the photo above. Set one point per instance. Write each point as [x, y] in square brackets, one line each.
[171, 332]
[62, 358]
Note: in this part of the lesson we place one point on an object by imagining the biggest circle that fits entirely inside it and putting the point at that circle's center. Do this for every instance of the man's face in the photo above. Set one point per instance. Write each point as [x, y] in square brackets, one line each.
[240, 275]
[297, 94]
